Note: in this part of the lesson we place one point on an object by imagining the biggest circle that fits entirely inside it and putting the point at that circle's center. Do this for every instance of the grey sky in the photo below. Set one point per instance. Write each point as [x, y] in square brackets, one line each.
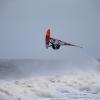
[23, 24]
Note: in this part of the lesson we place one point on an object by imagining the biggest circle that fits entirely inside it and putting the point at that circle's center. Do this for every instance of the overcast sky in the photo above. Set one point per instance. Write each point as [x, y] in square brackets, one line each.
[23, 24]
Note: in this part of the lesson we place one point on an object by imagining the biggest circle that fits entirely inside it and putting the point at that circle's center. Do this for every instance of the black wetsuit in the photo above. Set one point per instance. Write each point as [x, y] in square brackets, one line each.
[55, 47]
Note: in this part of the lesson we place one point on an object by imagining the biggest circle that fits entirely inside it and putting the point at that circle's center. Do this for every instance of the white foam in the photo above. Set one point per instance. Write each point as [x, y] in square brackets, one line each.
[50, 87]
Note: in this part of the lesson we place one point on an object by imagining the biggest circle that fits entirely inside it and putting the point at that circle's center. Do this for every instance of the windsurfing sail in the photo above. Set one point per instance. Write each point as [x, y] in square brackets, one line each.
[56, 43]
[47, 38]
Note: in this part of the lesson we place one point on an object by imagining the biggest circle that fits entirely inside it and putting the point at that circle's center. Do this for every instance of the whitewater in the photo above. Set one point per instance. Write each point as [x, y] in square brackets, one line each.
[39, 80]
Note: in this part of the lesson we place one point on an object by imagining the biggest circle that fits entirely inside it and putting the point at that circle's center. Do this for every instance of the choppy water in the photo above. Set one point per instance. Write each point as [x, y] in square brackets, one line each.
[37, 80]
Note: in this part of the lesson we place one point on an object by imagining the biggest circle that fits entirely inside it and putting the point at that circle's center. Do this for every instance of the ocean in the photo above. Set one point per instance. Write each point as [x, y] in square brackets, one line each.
[29, 79]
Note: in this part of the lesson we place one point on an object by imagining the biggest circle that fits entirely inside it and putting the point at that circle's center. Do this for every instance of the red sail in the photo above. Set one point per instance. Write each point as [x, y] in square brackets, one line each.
[47, 39]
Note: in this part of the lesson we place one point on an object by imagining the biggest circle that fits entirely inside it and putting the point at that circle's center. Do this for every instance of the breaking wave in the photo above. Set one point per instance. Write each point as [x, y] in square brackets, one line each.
[66, 86]
[72, 85]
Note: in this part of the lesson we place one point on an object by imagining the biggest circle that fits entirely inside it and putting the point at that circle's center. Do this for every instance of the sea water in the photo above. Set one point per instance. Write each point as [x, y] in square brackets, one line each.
[33, 81]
